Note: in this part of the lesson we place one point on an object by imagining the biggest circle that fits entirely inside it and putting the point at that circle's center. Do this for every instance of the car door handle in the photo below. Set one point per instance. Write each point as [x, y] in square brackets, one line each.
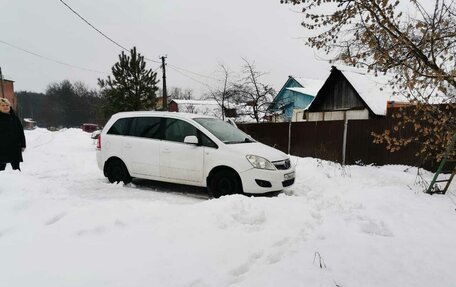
[166, 150]
[128, 146]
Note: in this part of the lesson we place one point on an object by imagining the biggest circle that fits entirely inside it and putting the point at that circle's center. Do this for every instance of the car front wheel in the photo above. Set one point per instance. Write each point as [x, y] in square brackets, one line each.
[225, 182]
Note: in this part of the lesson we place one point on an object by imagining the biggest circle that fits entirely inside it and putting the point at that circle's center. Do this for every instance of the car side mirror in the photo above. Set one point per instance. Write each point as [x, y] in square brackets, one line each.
[191, 140]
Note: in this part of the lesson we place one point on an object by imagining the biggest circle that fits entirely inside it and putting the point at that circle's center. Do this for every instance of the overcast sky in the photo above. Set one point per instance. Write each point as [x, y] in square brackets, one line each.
[195, 35]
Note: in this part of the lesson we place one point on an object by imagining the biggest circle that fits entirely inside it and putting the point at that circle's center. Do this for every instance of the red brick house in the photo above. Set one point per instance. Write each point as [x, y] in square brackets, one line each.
[7, 91]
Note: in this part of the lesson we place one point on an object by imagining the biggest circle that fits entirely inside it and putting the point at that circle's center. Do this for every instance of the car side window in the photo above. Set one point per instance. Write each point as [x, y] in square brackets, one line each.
[120, 127]
[176, 130]
[206, 141]
[146, 127]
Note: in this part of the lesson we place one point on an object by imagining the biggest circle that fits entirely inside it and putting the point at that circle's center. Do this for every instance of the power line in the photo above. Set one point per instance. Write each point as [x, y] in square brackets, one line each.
[181, 71]
[88, 23]
[104, 35]
[50, 59]
[176, 68]
[188, 71]
[191, 78]
[151, 60]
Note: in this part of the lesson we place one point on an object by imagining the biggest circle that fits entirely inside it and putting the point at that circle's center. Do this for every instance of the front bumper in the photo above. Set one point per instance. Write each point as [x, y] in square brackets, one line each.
[278, 179]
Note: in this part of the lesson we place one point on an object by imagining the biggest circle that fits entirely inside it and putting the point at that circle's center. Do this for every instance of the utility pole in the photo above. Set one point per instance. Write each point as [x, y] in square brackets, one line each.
[165, 93]
[1, 82]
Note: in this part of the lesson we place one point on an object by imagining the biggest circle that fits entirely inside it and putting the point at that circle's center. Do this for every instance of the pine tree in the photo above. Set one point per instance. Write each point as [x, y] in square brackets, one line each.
[132, 87]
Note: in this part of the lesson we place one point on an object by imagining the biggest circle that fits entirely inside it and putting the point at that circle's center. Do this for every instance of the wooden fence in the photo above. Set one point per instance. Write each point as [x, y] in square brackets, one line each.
[325, 140]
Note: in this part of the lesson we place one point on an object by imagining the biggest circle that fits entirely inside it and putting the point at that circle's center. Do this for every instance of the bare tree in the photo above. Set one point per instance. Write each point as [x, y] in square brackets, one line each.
[417, 46]
[255, 94]
[180, 94]
[223, 93]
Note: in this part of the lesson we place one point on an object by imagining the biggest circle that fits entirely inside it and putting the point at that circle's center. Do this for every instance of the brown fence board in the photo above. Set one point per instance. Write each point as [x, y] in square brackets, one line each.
[360, 146]
[272, 134]
[325, 140]
[317, 139]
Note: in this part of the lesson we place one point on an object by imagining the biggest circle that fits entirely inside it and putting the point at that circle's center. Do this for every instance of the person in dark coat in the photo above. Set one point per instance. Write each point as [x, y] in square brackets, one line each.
[12, 138]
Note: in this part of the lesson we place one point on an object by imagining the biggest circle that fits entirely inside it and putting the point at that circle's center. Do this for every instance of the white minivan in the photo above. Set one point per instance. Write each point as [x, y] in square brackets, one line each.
[190, 149]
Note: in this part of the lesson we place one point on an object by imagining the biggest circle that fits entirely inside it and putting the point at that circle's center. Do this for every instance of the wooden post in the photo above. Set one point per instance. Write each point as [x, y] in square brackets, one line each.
[289, 137]
[344, 143]
[1, 83]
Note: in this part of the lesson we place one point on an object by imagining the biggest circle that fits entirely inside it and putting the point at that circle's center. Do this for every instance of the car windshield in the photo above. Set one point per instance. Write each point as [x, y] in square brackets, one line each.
[225, 132]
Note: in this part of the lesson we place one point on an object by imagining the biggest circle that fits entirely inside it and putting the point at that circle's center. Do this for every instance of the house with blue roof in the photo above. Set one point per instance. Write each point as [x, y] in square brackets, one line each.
[296, 94]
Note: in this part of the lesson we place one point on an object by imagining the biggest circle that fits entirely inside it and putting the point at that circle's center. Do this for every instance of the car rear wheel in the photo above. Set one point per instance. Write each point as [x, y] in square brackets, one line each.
[116, 171]
[225, 182]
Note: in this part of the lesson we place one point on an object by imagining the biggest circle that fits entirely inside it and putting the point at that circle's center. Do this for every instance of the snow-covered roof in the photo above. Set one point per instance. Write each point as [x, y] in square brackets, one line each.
[204, 107]
[309, 86]
[374, 90]
[195, 102]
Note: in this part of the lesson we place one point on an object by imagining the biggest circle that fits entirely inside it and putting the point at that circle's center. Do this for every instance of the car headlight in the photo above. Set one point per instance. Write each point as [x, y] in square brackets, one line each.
[260, 162]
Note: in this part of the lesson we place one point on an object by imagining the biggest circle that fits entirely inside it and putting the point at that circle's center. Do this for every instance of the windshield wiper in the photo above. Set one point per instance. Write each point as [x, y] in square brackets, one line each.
[246, 140]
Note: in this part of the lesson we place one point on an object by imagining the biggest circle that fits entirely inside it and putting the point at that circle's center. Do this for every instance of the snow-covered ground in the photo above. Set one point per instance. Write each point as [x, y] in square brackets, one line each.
[62, 224]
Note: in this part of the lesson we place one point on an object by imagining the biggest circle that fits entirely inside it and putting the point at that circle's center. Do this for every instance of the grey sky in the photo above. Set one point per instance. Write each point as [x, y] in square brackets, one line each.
[196, 36]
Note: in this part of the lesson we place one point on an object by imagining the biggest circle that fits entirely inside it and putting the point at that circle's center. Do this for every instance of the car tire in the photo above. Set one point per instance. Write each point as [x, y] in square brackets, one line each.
[116, 171]
[225, 182]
